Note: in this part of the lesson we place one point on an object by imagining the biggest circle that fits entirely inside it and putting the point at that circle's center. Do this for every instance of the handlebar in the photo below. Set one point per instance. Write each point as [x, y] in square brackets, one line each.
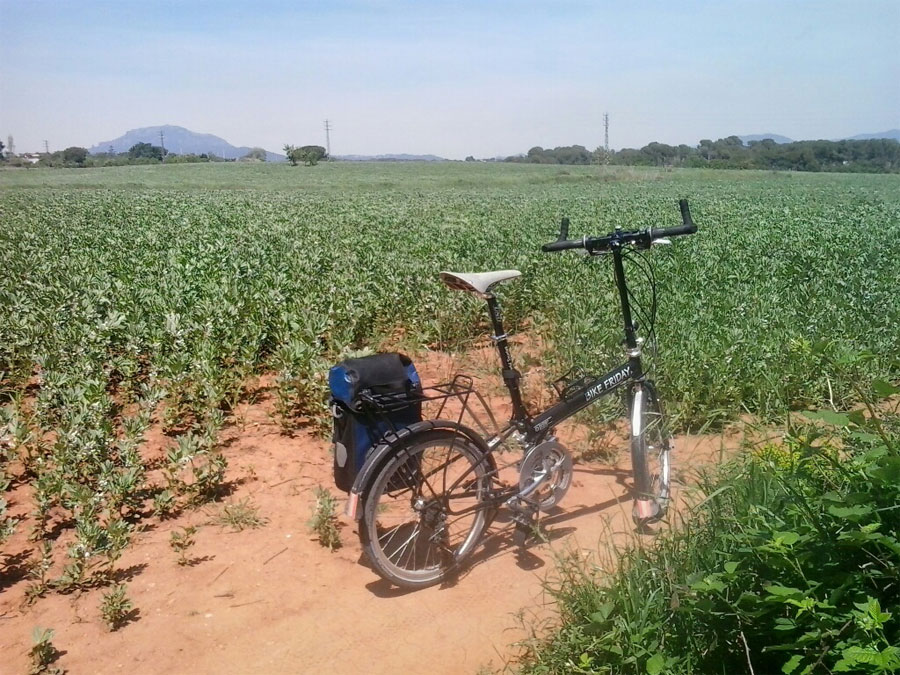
[642, 238]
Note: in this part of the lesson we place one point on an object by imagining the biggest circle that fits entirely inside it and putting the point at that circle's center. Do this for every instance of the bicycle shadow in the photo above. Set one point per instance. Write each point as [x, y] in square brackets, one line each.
[498, 540]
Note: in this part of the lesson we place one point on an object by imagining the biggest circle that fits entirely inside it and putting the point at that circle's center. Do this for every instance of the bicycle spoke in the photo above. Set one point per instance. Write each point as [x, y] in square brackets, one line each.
[393, 533]
[406, 545]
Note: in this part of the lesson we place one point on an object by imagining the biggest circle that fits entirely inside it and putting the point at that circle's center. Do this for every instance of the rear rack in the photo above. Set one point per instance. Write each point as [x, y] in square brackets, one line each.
[457, 398]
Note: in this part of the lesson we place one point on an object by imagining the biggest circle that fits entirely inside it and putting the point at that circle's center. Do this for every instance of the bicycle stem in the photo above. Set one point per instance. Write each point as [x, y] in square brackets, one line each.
[619, 268]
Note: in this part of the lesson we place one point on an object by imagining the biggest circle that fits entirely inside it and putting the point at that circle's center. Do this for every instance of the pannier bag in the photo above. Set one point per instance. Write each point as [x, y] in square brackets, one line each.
[358, 423]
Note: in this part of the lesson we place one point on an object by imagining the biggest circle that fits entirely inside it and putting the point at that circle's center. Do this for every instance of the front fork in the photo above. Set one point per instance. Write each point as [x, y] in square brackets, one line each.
[645, 509]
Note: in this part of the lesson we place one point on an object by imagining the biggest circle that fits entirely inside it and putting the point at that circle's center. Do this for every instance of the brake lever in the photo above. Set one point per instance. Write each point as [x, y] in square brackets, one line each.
[662, 242]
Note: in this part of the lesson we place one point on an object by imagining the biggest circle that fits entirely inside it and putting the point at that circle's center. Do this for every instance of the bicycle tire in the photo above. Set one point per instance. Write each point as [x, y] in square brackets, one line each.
[415, 496]
[650, 456]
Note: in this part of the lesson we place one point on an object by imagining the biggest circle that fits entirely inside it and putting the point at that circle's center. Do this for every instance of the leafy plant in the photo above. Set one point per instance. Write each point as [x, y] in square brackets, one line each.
[116, 607]
[7, 523]
[790, 564]
[194, 468]
[324, 521]
[96, 548]
[38, 572]
[43, 653]
[164, 503]
[182, 541]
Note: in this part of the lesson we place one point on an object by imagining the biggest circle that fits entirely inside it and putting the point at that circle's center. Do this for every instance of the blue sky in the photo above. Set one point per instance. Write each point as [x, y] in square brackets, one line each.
[448, 78]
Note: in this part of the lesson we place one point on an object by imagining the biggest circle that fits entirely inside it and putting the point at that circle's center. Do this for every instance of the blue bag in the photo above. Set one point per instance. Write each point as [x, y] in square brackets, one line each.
[370, 396]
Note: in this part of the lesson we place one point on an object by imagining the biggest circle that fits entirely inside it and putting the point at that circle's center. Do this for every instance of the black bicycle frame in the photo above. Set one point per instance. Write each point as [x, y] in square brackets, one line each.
[594, 387]
[535, 429]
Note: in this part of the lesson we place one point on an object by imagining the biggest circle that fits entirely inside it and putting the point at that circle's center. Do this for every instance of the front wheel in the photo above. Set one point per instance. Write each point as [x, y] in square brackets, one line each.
[424, 512]
[650, 447]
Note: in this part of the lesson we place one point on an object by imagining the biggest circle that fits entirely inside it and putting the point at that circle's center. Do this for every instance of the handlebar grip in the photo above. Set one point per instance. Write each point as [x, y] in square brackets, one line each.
[562, 245]
[674, 231]
[689, 227]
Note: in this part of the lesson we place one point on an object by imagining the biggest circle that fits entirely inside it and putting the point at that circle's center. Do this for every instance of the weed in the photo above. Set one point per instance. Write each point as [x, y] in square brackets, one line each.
[241, 515]
[324, 521]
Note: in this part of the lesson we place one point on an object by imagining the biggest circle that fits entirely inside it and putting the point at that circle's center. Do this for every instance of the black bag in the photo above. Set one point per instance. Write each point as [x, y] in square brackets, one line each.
[370, 396]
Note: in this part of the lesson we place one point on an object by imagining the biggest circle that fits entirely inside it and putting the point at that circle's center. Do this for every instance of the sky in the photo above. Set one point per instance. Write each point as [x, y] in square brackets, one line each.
[483, 78]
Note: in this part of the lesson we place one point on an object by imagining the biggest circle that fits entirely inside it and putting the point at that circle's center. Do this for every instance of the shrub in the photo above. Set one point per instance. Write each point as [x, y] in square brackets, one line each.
[791, 564]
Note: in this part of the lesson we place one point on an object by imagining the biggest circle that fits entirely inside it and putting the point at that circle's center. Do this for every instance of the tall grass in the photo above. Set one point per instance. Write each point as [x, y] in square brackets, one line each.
[790, 564]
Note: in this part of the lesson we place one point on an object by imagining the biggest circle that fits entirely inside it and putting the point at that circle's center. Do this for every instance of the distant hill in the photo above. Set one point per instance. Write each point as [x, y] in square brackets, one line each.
[892, 133]
[390, 158]
[762, 137]
[180, 141]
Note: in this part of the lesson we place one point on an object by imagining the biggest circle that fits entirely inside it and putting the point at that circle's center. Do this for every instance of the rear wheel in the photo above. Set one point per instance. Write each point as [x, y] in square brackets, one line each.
[423, 514]
[650, 447]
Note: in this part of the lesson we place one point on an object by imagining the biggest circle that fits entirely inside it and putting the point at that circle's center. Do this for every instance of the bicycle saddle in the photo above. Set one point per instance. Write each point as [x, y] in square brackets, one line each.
[479, 283]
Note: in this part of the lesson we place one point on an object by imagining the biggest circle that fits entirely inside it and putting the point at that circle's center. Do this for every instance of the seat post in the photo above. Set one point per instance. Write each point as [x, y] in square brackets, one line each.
[511, 376]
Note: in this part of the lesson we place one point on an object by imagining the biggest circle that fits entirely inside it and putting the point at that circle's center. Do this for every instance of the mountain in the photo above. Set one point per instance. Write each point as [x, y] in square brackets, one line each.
[390, 158]
[892, 133]
[181, 141]
[762, 137]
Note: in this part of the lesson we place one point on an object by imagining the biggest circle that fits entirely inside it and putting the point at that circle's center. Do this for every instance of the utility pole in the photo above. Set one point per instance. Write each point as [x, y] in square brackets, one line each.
[606, 131]
[328, 137]
[162, 144]
[46, 148]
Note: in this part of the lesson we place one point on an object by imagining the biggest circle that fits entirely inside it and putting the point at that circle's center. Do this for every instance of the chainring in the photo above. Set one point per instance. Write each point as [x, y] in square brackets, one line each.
[548, 457]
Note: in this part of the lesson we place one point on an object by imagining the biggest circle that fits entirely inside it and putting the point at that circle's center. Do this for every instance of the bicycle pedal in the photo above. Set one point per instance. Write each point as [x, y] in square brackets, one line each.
[521, 534]
[525, 524]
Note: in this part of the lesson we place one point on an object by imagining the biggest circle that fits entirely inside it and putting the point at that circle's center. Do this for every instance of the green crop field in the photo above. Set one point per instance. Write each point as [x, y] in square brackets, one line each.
[137, 294]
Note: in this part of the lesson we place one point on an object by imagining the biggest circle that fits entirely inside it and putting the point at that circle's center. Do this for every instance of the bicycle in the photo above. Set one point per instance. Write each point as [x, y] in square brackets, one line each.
[429, 491]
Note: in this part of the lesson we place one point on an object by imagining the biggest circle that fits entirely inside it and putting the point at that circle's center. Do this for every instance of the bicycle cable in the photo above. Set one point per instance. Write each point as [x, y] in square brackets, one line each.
[646, 318]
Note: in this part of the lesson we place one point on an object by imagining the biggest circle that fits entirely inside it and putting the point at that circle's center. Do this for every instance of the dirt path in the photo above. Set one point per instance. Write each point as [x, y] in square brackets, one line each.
[273, 600]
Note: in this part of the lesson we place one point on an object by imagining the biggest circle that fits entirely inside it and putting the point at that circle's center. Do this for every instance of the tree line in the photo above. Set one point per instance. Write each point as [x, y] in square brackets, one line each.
[147, 153]
[880, 155]
[139, 153]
